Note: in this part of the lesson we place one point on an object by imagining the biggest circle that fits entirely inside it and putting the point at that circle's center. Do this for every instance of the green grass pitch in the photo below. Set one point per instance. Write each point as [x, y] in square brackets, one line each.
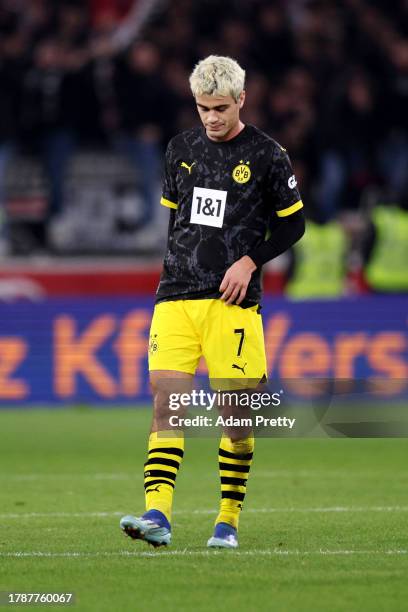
[324, 525]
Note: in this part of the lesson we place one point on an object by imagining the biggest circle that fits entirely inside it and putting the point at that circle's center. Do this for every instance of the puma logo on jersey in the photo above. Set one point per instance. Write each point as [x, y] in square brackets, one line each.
[237, 367]
[189, 168]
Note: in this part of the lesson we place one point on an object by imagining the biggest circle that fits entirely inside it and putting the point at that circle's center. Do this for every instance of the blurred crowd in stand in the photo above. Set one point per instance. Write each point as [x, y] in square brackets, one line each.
[328, 79]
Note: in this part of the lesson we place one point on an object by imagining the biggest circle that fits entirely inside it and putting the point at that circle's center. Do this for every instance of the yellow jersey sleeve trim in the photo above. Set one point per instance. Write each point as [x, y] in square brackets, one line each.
[292, 209]
[168, 203]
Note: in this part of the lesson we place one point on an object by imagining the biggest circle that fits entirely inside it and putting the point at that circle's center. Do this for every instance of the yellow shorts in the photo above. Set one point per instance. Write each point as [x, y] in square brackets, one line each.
[229, 337]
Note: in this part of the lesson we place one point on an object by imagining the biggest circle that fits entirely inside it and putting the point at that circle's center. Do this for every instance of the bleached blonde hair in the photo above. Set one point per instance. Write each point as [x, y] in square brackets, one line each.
[217, 76]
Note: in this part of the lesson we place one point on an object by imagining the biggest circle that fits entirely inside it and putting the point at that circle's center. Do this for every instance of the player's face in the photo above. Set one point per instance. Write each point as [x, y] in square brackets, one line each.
[220, 115]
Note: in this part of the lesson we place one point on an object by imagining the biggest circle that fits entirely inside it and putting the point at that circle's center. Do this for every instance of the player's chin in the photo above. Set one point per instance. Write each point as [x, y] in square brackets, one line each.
[218, 132]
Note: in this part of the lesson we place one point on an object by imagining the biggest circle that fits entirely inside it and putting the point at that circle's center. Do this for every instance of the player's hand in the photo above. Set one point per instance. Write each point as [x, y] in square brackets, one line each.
[236, 280]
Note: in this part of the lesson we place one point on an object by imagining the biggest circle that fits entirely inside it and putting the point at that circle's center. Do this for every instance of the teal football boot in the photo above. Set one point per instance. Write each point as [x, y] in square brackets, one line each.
[153, 527]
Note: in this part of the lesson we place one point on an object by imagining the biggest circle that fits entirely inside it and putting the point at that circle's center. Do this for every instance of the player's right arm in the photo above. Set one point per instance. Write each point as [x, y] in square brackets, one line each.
[169, 192]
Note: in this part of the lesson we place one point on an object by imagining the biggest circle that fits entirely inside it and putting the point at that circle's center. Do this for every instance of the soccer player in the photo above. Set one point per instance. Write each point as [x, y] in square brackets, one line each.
[227, 185]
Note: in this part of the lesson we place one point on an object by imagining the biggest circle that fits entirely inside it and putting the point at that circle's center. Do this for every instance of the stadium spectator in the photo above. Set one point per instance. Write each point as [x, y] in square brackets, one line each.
[273, 40]
[318, 267]
[348, 160]
[386, 249]
[394, 153]
[49, 100]
[144, 104]
[11, 48]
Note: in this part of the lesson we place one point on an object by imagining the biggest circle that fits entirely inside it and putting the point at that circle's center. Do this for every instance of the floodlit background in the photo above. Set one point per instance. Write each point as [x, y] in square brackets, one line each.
[90, 93]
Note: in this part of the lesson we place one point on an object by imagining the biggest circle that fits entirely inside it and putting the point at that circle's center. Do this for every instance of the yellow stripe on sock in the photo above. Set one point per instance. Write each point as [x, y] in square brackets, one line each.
[158, 455]
[234, 461]
[239, 488]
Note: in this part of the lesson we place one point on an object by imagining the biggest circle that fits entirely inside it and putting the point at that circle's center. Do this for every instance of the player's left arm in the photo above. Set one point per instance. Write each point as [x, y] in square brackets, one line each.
[286, 233]
[236, 279]
[290, 226]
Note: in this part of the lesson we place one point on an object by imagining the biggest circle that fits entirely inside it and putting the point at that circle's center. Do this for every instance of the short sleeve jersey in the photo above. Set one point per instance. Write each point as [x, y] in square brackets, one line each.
[224, 196]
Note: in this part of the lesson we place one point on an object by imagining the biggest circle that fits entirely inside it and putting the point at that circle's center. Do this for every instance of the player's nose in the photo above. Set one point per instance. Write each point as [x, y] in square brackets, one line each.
[212, 117]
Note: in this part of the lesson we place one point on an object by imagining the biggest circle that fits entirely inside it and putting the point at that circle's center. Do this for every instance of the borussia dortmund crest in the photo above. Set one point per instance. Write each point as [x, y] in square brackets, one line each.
[241, 173]
[153, 344]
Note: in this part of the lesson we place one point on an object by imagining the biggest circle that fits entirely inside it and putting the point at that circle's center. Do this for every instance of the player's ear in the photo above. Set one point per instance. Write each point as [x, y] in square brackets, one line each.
[241, 99]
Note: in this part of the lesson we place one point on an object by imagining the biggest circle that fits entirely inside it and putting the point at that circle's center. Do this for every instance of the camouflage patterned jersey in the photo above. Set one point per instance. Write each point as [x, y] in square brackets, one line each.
[224, 196]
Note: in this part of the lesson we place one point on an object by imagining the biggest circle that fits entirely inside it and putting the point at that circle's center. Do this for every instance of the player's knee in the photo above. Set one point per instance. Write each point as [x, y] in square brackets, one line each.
[161, 402]
[166, 392]
[243, 445]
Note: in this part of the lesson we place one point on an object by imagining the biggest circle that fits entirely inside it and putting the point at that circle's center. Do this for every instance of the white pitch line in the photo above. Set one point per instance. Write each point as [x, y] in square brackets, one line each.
[324, 474]
[311, 510]
[97, 476]
[201, 553]
[334, 509]
[29, 515]
[129, 475]
[256, 475]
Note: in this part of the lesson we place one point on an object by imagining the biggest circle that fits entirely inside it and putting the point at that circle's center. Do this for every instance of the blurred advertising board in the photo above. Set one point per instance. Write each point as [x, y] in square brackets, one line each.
[94, 350]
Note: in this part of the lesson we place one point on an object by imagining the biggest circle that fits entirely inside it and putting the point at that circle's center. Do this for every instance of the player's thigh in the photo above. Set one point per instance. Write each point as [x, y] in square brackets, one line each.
[174, 344]
[233, 343]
